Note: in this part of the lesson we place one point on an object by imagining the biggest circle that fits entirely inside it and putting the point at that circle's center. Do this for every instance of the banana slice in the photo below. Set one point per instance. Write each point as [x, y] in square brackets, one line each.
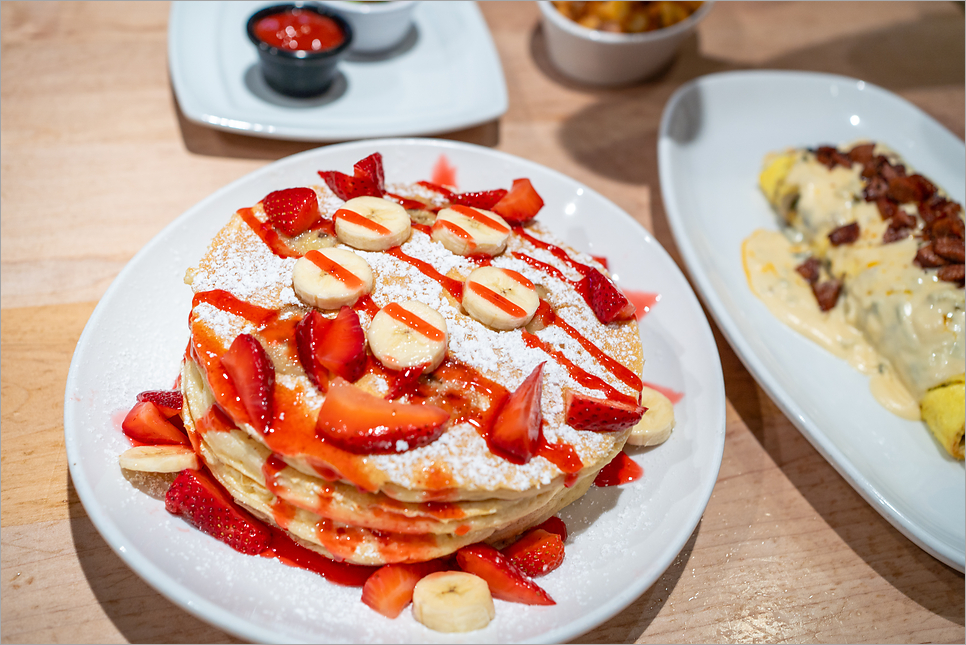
[159, 459]
[372, 224]
[656, 424]
[453, 601]
[470, 231]
[408, 334]
[331, 278]
[500, 298]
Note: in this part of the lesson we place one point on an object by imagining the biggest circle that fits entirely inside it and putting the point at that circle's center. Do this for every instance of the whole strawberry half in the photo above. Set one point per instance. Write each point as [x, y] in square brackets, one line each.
[196, 496]
[516, 432]
[146, 424]
[252, 373]
[361, 423]
[554, 525]
[608, 303]
[599, 415]
[506, 580]
[169, 402]
[337, 345]
[390, 588]
[521, 204]
[293, 210]
[537, 552]
[485, 199]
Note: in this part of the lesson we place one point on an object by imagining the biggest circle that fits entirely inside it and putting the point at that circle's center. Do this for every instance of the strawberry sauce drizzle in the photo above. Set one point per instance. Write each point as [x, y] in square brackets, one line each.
[628, 377]
[327, 265]
[456, 230]
[424, 228]
[642, 301]
[621, 470]
[508, 306]
[225, 301]
[267, 234]
[359, 220]
[557, 252]
[414, 322]
[673, 395]
[287, 550]
[453, 286]
[579, 374]
[366, 304]
[477, 216]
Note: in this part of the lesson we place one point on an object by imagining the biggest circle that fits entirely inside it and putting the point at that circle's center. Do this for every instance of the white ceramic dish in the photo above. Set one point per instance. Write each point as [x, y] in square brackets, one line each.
[376, 26]
[714, 134]
[444, 76]
[622, 538]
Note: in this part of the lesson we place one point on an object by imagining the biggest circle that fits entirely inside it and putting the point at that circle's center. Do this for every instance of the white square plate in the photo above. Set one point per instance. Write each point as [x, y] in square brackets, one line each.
[714, 134]
[446, 75]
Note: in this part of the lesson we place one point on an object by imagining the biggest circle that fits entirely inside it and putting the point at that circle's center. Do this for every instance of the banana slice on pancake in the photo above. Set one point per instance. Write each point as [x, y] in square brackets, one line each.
[331, 278]
[372, 224]
[453, 601]
[408, 334]
[500, 298]
[464, 230]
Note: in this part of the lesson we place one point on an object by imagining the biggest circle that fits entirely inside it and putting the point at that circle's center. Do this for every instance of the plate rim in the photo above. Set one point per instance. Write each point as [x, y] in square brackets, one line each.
[200, 111]
[729, 327]
[206, 611]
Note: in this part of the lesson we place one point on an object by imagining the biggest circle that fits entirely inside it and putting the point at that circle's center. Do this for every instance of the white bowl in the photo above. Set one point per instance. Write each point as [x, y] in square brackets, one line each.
[376, 26]
[598, 57]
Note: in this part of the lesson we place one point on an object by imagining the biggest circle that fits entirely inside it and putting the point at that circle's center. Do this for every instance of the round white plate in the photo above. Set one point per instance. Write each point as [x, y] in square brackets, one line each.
[714, 135]
[622, 538]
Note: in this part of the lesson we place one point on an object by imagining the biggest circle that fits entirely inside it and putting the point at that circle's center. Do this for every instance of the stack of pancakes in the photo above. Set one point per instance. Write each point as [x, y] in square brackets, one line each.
[425, 502]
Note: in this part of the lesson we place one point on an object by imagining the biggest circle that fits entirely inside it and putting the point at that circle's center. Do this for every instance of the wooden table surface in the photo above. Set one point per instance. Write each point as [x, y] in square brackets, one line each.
[97, 159]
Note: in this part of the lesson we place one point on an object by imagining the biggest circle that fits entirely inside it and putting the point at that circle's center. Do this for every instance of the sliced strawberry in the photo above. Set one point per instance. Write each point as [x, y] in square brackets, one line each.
[485, 200]
[515, 434]
[346, 187]
[555, 525]
[337, 345]
[371, 168]
[169, 402]
[537, 553]
[519, 205]
[505, 579]
[146, 424]
[253, 375]
[608, 303]
[600, 415]
[196, 496]
[390, 588]
[293, 210]
[362, 423]
[308, 335]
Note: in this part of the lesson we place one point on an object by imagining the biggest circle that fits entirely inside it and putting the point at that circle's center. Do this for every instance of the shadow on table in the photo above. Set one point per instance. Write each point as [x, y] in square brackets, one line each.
[204, 140]
[633, 621]
[140, 613]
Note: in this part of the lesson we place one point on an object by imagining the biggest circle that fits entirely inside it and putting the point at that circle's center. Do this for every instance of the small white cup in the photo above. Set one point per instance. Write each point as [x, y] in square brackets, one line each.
[376, 26]
[604, 58]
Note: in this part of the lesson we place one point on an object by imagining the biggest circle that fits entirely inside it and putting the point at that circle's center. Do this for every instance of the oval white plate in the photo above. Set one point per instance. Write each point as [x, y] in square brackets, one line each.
[714, 133]
[623, 538]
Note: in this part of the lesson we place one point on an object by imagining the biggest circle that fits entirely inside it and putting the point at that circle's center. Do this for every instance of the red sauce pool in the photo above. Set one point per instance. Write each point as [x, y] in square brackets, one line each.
[299, 30]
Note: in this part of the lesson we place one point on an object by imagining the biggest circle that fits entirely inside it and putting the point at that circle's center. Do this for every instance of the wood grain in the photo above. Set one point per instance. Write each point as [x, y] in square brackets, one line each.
[96, 158]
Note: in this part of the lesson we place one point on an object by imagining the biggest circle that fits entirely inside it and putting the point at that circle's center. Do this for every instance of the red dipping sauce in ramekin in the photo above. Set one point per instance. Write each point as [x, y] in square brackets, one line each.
[299, 30]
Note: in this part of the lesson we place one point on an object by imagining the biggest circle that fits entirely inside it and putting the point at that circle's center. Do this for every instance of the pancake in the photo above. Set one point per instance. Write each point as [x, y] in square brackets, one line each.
[416, 503]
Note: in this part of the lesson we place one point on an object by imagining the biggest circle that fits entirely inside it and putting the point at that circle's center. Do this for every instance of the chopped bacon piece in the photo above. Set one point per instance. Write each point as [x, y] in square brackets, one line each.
[831, 157]
[895, 233]
[902, 218]
[875, 189]
[890, 172]
[887, 207]
[809, 269]
[937, 207]
[910, 188]
[953, 273]
[927, 258]
[862, 154]
[845, 234]
[950, 248]
[947, 226]
[827, 293]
